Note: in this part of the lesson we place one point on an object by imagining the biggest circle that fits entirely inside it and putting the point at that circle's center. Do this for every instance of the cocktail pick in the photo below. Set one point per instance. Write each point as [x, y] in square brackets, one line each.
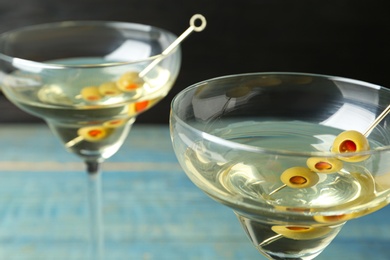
[197, 23]
[277, 189]
[299, 179]
[89, 133]
[377, 121]
[193, 27]
[95, 133]
[270, 240]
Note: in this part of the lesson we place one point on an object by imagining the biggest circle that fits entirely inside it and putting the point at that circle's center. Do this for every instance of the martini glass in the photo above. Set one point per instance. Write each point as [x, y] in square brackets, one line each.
[84, 79]
[263, 145]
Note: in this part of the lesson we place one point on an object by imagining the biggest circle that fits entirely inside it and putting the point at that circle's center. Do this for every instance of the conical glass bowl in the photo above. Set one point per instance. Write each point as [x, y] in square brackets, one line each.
[264, 145]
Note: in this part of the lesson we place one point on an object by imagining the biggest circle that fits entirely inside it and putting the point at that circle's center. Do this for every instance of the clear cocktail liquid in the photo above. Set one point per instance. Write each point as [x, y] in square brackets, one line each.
[55, 95]
[241, 177]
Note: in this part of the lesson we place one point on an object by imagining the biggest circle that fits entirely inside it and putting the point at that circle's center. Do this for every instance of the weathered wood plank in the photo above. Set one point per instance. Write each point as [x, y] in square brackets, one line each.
[150, 208]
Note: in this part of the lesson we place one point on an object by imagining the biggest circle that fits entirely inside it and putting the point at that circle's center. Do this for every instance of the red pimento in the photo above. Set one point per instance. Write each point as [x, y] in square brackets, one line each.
[115, 122]
[131, 86]
[93, 98]
[140, 106]
[323, 166]
[298, 180]
[298, 228]
[95, 132]
[348, 146]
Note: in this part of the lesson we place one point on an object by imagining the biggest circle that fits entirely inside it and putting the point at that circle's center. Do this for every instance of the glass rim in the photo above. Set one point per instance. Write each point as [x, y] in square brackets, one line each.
[75, 23]
[255, 149]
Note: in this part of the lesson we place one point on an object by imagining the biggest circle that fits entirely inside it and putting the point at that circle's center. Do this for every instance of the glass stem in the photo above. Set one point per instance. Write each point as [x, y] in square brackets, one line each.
[95, 210]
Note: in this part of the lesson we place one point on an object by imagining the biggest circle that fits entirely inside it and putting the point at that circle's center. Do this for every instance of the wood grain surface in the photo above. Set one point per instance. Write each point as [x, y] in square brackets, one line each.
[150, 208]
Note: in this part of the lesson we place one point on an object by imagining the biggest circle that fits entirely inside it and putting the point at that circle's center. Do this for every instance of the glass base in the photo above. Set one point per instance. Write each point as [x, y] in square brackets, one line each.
[288, 241]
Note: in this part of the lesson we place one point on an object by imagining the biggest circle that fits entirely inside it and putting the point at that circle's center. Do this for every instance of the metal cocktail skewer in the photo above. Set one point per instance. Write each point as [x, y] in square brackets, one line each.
[193, 27]
[74, 141]
[270, 240]
[277, 189]
[377, 120]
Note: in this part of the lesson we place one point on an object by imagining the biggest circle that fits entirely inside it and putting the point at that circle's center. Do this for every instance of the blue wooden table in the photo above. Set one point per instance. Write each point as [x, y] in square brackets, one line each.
[150, 209]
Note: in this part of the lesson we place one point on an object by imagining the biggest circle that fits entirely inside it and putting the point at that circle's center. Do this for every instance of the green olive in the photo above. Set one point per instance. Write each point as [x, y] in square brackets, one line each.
[350, 142]
[93, 133]
[91, 93]
[301, 232]
[334, 218]
[324, 165]
[130, 81]
[115, 123]
[109, 89]
[299, 177]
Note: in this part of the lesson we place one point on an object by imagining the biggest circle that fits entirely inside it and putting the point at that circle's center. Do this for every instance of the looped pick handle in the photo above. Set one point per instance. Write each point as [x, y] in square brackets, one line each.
[193, 27]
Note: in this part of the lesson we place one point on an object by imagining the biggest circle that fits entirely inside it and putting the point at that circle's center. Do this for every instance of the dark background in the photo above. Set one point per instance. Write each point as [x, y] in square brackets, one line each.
[334, 37]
